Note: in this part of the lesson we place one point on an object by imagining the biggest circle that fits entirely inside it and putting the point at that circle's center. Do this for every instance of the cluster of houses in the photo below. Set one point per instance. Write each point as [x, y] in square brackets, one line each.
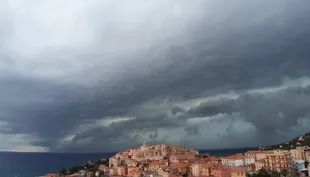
[174, 161]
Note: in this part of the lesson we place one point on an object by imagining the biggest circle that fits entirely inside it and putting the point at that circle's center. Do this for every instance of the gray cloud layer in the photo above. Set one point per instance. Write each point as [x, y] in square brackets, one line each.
[106, 75]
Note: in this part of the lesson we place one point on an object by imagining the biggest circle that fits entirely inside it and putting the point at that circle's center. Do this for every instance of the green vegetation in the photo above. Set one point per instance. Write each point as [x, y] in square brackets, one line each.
[101, 174]
[63, 171]
[265, 173]
[75, 169]
[292, 144]
[93, 167]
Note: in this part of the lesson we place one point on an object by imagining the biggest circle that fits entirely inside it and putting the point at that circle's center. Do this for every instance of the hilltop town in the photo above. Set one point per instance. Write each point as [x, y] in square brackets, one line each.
[174, 161]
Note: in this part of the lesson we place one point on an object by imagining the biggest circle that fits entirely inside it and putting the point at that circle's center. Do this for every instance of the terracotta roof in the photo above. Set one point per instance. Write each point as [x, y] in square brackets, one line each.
[148, 172]
[159, 162]
[254, 152]
[200, 161]
[208, 165]
[234, 157]
[133, 160]
[252, 165]
[212, 158]
[185, 156]
[238, 169]
[261, 160]
[177, 165]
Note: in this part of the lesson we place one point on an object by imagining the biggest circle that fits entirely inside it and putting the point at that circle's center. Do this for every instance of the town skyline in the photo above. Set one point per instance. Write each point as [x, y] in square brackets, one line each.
[162, 160]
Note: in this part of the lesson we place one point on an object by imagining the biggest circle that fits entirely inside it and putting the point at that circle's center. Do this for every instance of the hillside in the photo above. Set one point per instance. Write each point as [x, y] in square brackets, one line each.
[303, 140]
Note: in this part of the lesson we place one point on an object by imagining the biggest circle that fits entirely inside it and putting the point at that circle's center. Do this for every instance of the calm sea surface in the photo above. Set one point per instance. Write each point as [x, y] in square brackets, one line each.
[36, 164]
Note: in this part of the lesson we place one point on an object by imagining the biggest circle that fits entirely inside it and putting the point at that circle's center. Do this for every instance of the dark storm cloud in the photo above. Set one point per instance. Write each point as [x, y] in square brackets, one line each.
[227, 47]
[176, 110]
[269, 113]
[212, 108]
[192, 130]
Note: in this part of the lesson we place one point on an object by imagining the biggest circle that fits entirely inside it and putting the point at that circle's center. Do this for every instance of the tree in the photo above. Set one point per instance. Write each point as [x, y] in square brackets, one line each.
[63, 171]
[185, 175]
[284, 172]
[187, 172]
[75, 169]
[306, 164]
[275, 174]
[101, 173]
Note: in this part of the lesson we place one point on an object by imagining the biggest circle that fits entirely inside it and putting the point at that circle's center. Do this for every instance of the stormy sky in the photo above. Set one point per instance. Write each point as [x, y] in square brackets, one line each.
[105, 75]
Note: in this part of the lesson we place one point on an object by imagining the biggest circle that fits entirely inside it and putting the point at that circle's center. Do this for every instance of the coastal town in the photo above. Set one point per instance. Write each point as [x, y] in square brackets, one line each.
[163, 160]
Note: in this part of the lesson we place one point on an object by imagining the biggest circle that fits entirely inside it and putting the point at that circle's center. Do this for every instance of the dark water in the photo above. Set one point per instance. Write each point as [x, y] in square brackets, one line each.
[36, 164]
[226, 152]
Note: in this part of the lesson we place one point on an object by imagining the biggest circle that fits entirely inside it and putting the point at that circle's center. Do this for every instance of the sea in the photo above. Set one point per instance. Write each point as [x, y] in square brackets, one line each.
[22, 164]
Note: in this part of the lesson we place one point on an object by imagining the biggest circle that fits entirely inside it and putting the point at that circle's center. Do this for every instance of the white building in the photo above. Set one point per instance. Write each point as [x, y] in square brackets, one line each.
[234, 161]
[298, 165]
[249, 160]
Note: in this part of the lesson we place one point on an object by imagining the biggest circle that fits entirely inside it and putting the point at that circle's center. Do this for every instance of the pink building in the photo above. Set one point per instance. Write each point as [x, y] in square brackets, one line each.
[90, 174]
[155, 165]
[221, 171]
[238, 172]
[259, 164]
[181, 157]
[298, 153]
[122, 171]
[103, 168]
[257, 154]
[131, 171]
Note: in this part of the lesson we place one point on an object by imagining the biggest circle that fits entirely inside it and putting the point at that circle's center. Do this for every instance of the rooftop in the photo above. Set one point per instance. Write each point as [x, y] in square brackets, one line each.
[234, 157]
[238, 169]
[254, 152]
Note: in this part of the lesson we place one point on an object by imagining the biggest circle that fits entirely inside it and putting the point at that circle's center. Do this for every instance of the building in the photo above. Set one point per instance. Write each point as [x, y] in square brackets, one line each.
[177, 168]
[103, 168]
[257, 154]
[90, 174]
[202, 168]
[234, 160]
[182, 157]
[278, 160]
[122, 171]
[131, 171]
[73, 175]
[298, 166]
[298, 153]
[82, 173]
[213, 159]
[155, 165]
[163, 172]
[249, 160]
[259, 164]
[132, 157]
[250, 168]
[220, 171]
[238, 172]
[307, 154]
[196, 169]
